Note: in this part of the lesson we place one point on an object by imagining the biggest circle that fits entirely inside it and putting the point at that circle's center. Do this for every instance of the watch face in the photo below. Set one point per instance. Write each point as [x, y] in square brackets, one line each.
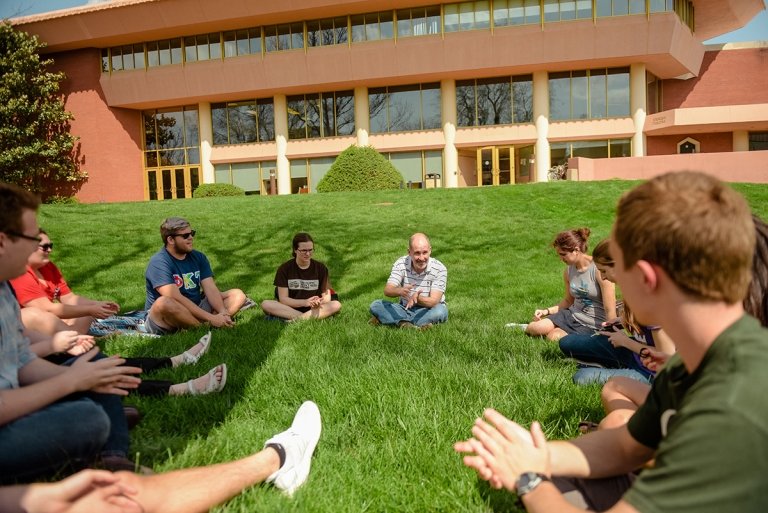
[527, 482]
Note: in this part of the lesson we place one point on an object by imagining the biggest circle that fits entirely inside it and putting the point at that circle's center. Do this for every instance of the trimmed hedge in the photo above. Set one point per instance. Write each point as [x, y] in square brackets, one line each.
[360, 168]
[210, 190]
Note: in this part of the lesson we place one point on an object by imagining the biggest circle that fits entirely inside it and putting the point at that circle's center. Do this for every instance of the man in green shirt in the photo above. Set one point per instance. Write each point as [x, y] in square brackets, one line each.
[683, 246]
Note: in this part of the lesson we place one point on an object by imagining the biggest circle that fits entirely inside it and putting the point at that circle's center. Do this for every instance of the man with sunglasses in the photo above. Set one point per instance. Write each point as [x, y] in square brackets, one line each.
[48, 304]
[181, 292]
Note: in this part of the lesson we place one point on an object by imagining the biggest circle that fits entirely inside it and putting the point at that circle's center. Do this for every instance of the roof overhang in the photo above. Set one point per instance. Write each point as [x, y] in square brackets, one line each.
[727, 118]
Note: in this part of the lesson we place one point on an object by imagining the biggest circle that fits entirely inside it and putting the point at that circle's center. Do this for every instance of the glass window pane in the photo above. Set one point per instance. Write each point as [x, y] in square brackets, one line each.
[242, 122]
[618, 92]
[620, 7]
[620, 148]
[559, 152]
[657, 6]
[318, 167]
[221, 173]
[117, 59]
[297, 35]
[522, 99]
[409, 165]
[214, 44]
[494, 101]
[358, 28]
[150, 138]
[191, 128]
[153, 54]
[246, 176]
[296, 118]
[590, 149]
[312, 106]
[377, 110]
[567, 9]
[465, 102]
[451, 17]
[340, 26]
[386, 26]
[551, 11]
[193, 155]
[127, 52]
[584, 9]
[315, 32]
[432, 21]
[298, 168]
[170, 126]
[516, 12]
[579, 95]
[104, 60]
[152, 184]
[431, 106]
[165, 52]
[404, 108]
[532, 11]
[559, 96]
[482, 15]
[602, 8]
[345, 113]
[190, 49]
[219, 122]
[180, 189]
[636, 6]
[266, 120]
[466, 16]
[597, 94]
[270, 39]
[433, 163]
[231, 44]
[328, 114]
[372, 27]
[175, 50]
[404, 26]
[151, 158]
[500, 13]
[283, 37]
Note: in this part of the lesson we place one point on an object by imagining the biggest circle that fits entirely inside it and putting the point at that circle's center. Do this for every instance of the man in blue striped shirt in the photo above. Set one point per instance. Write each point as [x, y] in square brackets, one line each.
[419, 281]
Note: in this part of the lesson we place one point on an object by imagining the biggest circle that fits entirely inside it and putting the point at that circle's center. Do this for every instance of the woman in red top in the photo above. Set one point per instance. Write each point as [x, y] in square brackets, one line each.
[47, 303]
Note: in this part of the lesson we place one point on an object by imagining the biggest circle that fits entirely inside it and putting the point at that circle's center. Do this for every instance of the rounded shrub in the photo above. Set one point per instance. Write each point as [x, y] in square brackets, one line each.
[360, 168]
[61, 200]
[210, 190]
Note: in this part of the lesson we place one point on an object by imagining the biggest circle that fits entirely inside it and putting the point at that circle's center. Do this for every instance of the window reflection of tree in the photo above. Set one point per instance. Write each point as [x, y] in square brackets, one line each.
[296, 116]
[219, 122]
[377, 109]
[345, 113]
[465, 102]
[522, 100]
[404, 109]
[493, 102]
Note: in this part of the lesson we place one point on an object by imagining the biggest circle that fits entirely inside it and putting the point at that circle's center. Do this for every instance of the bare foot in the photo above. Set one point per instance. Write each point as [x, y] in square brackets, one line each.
[213, 381]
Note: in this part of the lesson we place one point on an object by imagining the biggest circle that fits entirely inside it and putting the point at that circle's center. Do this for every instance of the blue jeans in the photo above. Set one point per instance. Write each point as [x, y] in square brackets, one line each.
[389, 313]
[589, 375]
[69, 433]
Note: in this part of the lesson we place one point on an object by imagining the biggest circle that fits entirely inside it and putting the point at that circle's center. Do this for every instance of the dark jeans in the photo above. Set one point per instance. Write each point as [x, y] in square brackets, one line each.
[594, 494]
[597, 349]
[65, 435]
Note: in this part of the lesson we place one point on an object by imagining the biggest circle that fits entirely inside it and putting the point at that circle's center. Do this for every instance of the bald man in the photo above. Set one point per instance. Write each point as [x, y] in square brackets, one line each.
[419, 281]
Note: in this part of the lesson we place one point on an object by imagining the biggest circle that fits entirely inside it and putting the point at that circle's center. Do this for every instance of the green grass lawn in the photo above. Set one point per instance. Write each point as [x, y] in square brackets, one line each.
[393, 401]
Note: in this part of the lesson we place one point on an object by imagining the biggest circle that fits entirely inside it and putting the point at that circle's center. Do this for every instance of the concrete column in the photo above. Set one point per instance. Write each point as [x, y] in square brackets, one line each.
[740, 140]
[281, 139]
[637, 107]
[450, 153]
[541, 118]
[206, 141]
[362, 119]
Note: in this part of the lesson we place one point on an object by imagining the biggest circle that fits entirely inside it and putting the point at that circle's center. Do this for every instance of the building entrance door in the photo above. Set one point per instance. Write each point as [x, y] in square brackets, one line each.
[171, 182]
[496, 165]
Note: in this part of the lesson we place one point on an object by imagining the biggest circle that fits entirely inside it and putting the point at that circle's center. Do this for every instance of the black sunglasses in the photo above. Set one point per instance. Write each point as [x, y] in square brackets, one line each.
[23, 236]
[46, 247]
[185, 235]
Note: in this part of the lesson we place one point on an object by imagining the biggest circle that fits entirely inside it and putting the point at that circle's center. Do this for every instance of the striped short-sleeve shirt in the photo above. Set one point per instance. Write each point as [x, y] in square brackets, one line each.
[434, 277]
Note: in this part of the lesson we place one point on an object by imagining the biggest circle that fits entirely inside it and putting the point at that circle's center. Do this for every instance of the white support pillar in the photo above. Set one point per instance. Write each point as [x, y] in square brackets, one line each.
[740, 140]
[450, 153]
[541, 118]
[206, 141]
[637, 107]
[281, 139]
[362, 119]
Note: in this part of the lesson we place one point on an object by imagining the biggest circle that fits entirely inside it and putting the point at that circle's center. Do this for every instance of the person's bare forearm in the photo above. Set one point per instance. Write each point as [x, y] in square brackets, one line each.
[42, 384]
[603, 453]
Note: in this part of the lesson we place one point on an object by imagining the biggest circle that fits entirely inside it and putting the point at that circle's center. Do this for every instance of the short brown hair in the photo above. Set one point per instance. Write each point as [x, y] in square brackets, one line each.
[601, 255]
[13, 202]
[696, 228]
[171, 227]
[572, 239]
[756, 301]
[298, 239]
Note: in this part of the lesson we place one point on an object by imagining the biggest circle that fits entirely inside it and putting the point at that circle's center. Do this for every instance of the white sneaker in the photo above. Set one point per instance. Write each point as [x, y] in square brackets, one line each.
[517, 325]
[299, 442]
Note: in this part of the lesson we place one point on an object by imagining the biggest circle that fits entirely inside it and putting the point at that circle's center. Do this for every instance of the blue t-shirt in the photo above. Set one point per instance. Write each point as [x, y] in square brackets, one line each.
[187, 274]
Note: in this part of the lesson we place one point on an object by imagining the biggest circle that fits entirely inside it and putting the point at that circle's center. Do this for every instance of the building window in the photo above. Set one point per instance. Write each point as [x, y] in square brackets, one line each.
[560, 152]
[494, 101]
[467, 16]
[564, 10]
[202, 48]
[421, 21]
[516, 12]
[321, 115]
[372, 26]
[333, 31]
[171, 137]
[689, 145]
[242, 42]
[243, 122]
[589, 94]
[758, 141]
[252, 177]
[405, 108]
[289, 36]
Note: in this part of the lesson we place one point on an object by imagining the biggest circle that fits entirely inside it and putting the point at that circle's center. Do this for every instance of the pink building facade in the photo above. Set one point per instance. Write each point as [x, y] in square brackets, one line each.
[169, 94]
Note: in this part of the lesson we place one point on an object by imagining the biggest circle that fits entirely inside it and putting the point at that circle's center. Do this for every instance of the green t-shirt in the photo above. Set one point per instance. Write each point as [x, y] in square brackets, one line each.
[710, 429]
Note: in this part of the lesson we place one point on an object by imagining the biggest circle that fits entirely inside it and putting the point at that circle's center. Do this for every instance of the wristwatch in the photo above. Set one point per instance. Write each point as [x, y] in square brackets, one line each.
[528, 481]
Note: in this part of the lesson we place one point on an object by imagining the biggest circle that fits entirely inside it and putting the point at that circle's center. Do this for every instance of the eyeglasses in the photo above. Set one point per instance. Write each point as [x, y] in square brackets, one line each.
[185, 235]
[305, 251]
[35, 238]
[46, 247]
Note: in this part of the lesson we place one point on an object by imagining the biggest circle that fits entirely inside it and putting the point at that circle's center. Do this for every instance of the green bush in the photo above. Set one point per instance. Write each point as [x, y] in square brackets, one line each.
[61, 200]
[210, 190]
[360, 168]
